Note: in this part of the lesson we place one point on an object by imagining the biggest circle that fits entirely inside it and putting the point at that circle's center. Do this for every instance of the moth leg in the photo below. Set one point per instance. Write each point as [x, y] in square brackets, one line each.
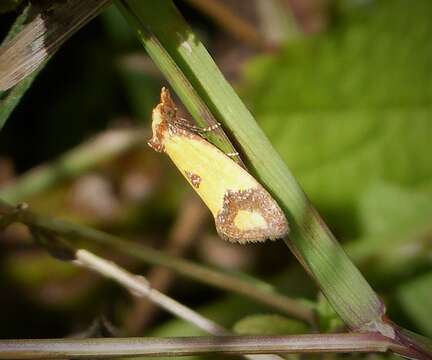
[185, 123]
[210, 128]
[182, 122]
[232, 154]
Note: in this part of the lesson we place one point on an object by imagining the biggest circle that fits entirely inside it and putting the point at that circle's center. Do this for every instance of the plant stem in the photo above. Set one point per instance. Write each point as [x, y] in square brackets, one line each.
[310, 240]
[192, 270]
[182, 85]
[139, 286]
[120, 347]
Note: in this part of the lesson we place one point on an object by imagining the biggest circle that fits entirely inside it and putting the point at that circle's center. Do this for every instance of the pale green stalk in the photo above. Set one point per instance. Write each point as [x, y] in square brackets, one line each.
[165, 35]
[122, 347]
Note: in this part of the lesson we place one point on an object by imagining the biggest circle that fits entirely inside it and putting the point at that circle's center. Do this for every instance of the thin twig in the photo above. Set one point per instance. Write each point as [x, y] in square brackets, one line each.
[120, 347]
[187, 268]
[139, 286]
[190, 218]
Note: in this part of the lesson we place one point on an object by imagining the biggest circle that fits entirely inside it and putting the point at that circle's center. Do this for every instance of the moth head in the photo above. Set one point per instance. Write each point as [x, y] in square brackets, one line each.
[163, 115]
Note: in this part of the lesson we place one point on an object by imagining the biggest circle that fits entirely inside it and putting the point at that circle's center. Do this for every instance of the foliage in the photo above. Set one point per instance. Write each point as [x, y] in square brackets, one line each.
[352, 106]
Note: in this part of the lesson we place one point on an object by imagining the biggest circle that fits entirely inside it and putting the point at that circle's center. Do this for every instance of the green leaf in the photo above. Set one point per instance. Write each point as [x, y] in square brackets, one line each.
[396, 223]
[386, 208]
[269, 324]
[353, 105]
[415, 298]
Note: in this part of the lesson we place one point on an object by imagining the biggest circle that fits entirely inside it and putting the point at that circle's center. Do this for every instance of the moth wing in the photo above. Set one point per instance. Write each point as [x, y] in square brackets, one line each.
[243, 210]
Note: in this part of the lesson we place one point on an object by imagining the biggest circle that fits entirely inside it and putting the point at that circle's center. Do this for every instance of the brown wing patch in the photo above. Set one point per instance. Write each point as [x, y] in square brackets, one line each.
[169, 123]
[167, 112]
[193, 178]
[255, 200]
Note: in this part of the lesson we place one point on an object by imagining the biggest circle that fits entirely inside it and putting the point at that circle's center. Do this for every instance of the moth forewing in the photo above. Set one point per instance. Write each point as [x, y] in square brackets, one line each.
[243, 210]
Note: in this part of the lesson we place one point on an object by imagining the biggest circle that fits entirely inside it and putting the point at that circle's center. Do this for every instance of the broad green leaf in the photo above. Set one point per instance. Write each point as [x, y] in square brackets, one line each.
[396, 223]
[353, 105]
[386, 209]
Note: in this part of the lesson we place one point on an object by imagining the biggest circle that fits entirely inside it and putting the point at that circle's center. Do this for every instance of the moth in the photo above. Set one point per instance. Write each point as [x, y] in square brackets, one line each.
[242, 209]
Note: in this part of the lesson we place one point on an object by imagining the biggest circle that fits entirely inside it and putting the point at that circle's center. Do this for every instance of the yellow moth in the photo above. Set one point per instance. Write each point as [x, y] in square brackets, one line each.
[243, 210]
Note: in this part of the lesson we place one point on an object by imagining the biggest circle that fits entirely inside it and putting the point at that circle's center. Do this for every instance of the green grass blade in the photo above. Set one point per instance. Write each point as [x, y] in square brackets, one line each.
[310, 240]
[179, 81]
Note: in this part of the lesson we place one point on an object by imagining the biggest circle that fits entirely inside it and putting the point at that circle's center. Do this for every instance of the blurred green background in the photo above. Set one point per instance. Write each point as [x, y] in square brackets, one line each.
[343, 89]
